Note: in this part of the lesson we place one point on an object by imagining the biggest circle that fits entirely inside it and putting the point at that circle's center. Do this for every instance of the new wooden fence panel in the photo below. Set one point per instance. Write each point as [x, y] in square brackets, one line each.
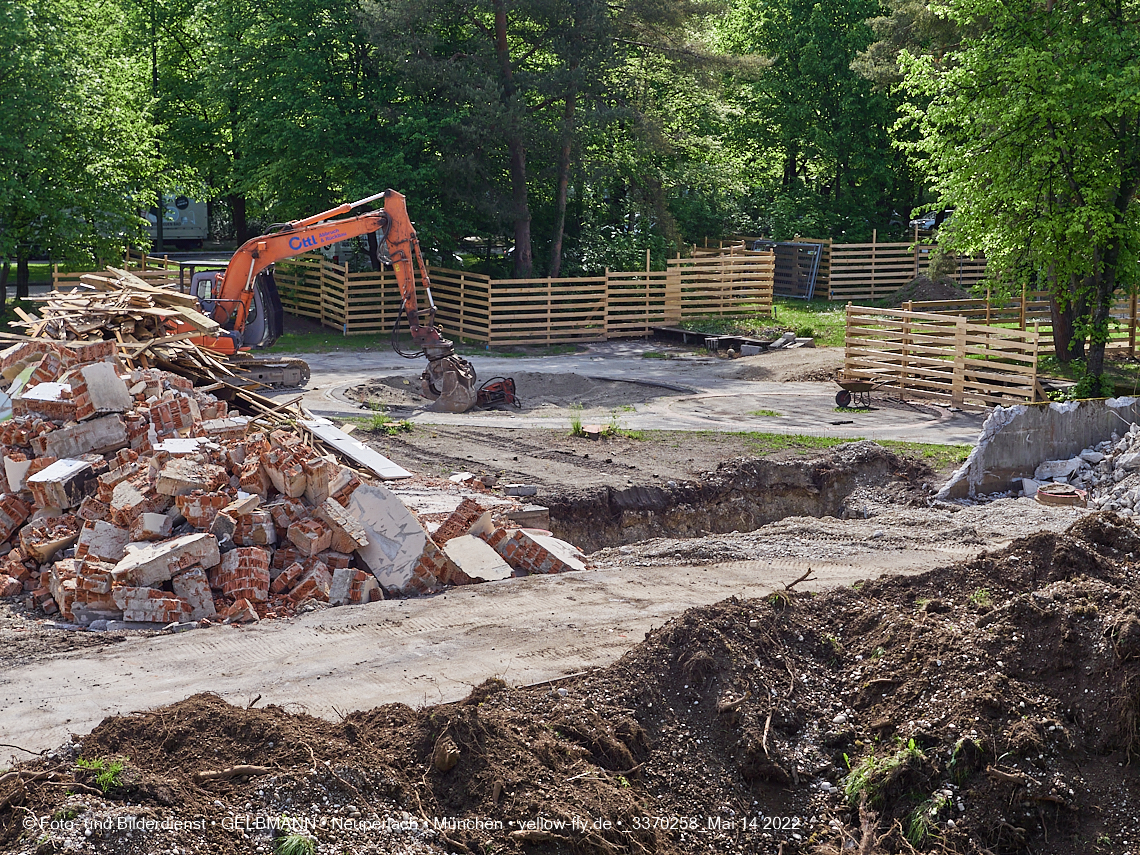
[941, 356]
[548, 311]
[299, 285]
[726, 285]
[1033, 308]
[463, 303]
[635, 303]
[869, 271]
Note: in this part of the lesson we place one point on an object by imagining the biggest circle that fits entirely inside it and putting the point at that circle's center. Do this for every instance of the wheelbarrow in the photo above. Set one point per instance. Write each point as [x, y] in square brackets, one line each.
[855, 391]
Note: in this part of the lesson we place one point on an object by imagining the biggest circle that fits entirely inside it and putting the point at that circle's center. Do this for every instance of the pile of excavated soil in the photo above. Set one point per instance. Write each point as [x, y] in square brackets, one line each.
[536, 391]
[924, 288]
[802, 364]
[989, 707]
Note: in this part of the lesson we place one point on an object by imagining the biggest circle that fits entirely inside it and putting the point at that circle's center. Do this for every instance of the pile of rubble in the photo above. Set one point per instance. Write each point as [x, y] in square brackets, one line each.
[1106, 475]
[129, 495]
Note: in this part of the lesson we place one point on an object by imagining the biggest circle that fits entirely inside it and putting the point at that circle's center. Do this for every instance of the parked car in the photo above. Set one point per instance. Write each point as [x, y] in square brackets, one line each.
[928, 223]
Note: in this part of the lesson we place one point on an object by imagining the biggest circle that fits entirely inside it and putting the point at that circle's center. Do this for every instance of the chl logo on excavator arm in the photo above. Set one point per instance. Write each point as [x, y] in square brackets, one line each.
[313, 241]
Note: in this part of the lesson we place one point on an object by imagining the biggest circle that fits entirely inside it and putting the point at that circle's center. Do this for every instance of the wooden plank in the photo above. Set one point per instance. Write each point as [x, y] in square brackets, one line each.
[373, 461]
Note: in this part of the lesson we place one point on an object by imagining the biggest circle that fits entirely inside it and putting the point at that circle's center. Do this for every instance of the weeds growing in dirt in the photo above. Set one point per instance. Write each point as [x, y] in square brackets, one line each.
[576, 420]
[108, 776]
[295, 844]
[924, 818]
[873, 773]
[381, 422]
[765, 413]
[982, 598]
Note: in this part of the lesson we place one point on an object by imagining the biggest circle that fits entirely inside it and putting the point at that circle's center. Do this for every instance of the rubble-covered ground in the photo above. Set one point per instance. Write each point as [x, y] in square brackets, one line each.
[988, 707]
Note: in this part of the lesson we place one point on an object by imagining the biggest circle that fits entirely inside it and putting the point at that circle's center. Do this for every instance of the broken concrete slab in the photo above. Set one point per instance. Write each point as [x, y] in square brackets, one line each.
[158, 562]
[102, 541]
[192, 586]
[1014, 440]
[396, 540]
[49, 400]
[64, 484]
[533, 553]
[475, 557]
[98, 389]
[184, 475]
[43, 538]
[101, 436]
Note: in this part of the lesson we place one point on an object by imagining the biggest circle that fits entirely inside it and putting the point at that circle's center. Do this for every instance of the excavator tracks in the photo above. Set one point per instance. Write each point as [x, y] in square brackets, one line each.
[277, 373]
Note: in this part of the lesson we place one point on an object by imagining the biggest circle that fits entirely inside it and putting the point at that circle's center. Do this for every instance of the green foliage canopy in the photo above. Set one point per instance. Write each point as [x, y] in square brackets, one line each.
[1031, 128]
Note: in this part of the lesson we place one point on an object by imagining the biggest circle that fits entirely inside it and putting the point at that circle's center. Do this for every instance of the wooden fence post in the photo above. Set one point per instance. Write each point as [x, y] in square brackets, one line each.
[908, 308]
[874, 256]
[1132, 327]
[958, 382]
[847, 360]
[344, 292]
[987, 305]
[673, 293]
[1023, 297]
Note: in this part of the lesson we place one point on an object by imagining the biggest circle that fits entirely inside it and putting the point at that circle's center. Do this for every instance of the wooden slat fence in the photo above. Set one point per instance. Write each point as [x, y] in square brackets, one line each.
[1033, 308]
[941, 356]
[728, 285]
[533, 311]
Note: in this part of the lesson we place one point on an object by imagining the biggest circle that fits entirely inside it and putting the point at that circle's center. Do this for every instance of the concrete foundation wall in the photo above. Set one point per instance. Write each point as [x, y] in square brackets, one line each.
[1015, 440]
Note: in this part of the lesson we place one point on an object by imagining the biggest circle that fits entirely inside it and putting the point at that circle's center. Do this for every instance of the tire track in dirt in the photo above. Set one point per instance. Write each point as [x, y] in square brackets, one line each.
[527, 630]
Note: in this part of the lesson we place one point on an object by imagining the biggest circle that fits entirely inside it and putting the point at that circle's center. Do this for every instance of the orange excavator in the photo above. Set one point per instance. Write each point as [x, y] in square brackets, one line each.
[243, 299]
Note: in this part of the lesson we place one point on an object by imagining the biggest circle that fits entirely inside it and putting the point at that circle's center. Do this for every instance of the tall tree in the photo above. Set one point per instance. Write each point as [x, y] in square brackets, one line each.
[818, 128]
[1031, 128]
[512, 73]
[76, 143]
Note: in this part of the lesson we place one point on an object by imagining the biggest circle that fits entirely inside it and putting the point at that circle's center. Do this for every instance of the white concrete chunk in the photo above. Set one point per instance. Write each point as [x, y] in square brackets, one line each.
[396, 539]
[158, 562]
[475, 557]
[106, 389]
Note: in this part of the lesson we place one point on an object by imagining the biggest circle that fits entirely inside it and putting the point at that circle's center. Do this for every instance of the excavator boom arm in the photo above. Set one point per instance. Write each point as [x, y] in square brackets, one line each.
[319, 230]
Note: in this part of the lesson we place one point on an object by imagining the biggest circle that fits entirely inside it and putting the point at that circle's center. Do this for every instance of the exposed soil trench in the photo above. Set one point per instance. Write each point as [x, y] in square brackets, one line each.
[740, 495]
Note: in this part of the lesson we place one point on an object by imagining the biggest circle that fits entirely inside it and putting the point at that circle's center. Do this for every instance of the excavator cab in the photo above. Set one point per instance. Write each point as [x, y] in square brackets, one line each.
[259, 326]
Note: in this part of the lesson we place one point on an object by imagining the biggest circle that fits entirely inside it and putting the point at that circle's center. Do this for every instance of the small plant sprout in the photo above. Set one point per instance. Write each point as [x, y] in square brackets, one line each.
[576, 420]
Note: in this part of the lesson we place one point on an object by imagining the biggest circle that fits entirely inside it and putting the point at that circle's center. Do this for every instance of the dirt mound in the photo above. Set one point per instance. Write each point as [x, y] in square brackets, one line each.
[924, 288]
[804, 364]
[991, 707]
[536, 390]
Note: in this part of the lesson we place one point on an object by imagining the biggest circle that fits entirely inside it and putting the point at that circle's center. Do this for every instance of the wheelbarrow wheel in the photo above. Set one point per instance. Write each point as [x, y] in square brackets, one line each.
[843, 398]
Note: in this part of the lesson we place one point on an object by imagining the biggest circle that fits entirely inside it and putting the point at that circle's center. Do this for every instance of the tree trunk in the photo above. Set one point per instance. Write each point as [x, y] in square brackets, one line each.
[22, 274]
[1066, 345]
[4, 272]
[563, 180]
[791, 164]
[241, 226]
[520, 208]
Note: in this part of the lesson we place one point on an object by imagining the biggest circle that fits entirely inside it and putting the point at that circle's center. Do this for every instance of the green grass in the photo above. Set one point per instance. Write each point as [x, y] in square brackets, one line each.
[108, 776]
[935, 455]
[576, 420]
[938, 456]
[823, 320]
[295, 844]
[981, 597]
[330, 341]
[381, 422]
[765, 413]
[327, 342]
[871, 775]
